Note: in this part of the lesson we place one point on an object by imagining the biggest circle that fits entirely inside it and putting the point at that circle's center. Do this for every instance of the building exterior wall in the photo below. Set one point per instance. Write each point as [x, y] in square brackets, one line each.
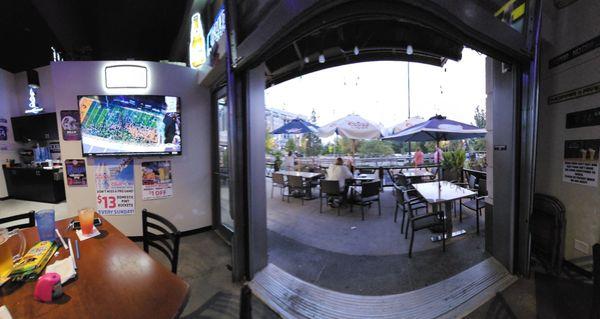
[562, 30]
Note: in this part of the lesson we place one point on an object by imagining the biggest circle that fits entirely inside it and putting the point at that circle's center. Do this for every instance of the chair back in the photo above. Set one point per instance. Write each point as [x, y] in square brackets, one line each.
[408, 204]
[482, 191]
[278, 178]
[330, 187]
[161, 234]
[401, 180]
[295, 181]
[399, 193]
[471, 181]
[27, 220]
[369, 189]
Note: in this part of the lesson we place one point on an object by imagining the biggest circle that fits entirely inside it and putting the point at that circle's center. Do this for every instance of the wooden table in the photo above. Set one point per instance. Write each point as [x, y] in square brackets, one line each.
[443, 192]
[115, 279]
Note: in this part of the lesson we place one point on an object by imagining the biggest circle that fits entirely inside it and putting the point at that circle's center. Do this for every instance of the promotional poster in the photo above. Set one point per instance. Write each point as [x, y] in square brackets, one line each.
[581, 162]
[115, 186]
[157, 181]
[69, 121]
[76, 173]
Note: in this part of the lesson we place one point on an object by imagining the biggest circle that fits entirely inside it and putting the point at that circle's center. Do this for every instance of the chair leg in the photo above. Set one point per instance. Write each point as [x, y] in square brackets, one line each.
[320, 204]
[289, 194]
[272, 188]
[362, 211]
[406, 229]
[477, 218]
[403, 218]
[460, 210]
[396, 216]
[412, 238]
[444, 237]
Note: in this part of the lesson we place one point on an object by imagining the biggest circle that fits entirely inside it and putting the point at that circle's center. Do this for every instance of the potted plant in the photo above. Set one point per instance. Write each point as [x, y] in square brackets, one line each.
[452, 165]
[277, 163]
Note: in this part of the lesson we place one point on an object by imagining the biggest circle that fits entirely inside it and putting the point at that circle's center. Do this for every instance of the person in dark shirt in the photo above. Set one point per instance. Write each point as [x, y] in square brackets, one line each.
[170, 127]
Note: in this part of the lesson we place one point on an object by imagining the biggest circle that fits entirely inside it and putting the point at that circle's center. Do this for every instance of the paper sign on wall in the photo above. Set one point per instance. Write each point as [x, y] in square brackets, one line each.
[76, 173]
[581, 162]
[115, 186]
[157, 181]
[69, 121]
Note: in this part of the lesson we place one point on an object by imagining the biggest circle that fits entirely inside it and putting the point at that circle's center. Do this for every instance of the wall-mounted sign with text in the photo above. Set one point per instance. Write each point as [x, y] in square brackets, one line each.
[216, 31]
[583, 118]
[574, 93]
[575, 52]
[580, 164]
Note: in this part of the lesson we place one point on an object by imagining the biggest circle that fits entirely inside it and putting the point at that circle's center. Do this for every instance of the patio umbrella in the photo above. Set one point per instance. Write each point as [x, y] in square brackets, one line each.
[403, 125]
[296, 126]
[353, 127]
[437, 128]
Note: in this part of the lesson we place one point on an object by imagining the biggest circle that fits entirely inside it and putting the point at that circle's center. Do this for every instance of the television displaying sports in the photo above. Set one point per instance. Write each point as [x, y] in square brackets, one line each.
[113, 125]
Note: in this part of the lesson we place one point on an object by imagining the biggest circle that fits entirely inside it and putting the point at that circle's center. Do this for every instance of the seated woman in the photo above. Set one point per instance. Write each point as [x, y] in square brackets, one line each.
[339, 172]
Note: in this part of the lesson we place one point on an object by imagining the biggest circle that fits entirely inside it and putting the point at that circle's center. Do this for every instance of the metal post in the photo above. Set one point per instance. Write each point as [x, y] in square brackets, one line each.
[408, 95]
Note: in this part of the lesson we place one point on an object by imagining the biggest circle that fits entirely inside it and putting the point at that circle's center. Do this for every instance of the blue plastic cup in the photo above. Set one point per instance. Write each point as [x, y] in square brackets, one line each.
[44, 220]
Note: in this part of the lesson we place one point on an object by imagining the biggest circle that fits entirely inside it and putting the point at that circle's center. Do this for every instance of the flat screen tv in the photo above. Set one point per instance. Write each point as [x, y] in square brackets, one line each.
[130, 125]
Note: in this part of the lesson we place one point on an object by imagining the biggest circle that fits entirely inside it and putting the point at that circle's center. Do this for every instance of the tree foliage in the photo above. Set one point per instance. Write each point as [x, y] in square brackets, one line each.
[290, 145]
[479, 117]
[312, 142]
[269, 143]
[375, 148]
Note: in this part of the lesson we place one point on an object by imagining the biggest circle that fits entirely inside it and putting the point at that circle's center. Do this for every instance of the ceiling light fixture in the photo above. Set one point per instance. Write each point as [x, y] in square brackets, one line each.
[409, 49]
[306, 60]
[356, 51]
[321, 58]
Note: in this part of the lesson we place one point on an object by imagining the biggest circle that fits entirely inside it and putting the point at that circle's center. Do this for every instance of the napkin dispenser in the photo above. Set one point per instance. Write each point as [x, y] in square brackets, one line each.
[47, 287]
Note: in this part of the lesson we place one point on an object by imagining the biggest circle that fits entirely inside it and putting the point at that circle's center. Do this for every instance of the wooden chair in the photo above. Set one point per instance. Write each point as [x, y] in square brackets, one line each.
[327, 190]
[29, 216]
[477, 203]
[296, 184]
[163, 237]
[278, 180]
[369, 192]
[422, 222]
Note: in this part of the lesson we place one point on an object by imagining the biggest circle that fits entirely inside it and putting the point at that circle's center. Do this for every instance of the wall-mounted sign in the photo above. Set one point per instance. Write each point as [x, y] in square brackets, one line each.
[563, 3]
[69, 122]
[216, 31]
[126, 76]
[157, 181]
[583, 118]
[197, 50]
[3, 133]
[115, 186]
[575, 52]
[574, 93]
[581, 162]
[76, 172]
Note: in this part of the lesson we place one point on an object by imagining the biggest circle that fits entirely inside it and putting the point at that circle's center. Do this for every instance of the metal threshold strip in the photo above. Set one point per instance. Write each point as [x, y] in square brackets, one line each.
[454, 297]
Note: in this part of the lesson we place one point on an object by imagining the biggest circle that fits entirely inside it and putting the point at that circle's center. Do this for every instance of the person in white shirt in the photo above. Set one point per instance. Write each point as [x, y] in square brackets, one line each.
[339, 172]
[438, 155]
[289, 162]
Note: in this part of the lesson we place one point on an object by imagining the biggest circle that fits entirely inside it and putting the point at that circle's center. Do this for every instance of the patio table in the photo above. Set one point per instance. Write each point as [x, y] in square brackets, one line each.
[305, 176]
[416, 172]
[443, 192]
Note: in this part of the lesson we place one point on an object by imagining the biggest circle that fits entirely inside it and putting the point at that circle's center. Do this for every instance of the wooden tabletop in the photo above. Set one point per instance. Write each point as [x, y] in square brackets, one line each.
[418, 172]
[442, 191]
[115, 279]
[301, 174]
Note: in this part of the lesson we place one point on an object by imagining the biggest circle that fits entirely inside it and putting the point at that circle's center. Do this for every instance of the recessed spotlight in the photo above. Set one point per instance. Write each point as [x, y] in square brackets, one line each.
[306, 60]
[356, 51]
[321, 58]
[409, 49]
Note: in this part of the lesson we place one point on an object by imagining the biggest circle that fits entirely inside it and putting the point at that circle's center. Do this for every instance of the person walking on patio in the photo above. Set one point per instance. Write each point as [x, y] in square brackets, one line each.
[419, 158]
[438, 155]
[289, 162]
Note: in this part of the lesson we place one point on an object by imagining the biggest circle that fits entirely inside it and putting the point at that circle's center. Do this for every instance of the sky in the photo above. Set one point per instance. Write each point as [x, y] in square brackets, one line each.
[377, 91]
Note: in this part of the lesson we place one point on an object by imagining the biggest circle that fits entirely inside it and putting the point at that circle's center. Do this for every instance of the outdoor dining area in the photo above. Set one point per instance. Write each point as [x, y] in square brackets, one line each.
[424, 203]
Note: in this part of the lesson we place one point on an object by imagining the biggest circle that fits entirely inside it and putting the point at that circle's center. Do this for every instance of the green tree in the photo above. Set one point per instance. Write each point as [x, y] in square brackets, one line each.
[479, 117]
[312, 142]
[375, 147]
[290, 145]
[269, 143]
[343, 145]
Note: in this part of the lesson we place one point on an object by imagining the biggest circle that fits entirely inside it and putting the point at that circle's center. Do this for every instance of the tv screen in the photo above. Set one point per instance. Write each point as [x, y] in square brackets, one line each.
[113, 125]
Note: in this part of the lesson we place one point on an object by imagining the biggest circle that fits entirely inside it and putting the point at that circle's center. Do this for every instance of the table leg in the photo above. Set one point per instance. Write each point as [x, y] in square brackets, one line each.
[448, 219]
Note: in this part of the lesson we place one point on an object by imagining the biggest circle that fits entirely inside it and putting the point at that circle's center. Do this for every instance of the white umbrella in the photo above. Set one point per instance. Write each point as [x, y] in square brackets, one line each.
[403, 125]
[353, 127]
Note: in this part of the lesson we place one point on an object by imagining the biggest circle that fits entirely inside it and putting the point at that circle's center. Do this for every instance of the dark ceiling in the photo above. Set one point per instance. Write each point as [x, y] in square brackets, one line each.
[87, 30]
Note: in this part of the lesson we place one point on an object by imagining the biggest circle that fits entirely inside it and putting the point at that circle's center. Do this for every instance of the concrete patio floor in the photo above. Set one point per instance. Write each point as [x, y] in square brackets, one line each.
[370, 257]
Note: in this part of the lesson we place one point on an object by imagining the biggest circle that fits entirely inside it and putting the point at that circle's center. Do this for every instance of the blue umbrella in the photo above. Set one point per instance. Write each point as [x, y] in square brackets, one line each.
[437, 128]
[296, 126]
